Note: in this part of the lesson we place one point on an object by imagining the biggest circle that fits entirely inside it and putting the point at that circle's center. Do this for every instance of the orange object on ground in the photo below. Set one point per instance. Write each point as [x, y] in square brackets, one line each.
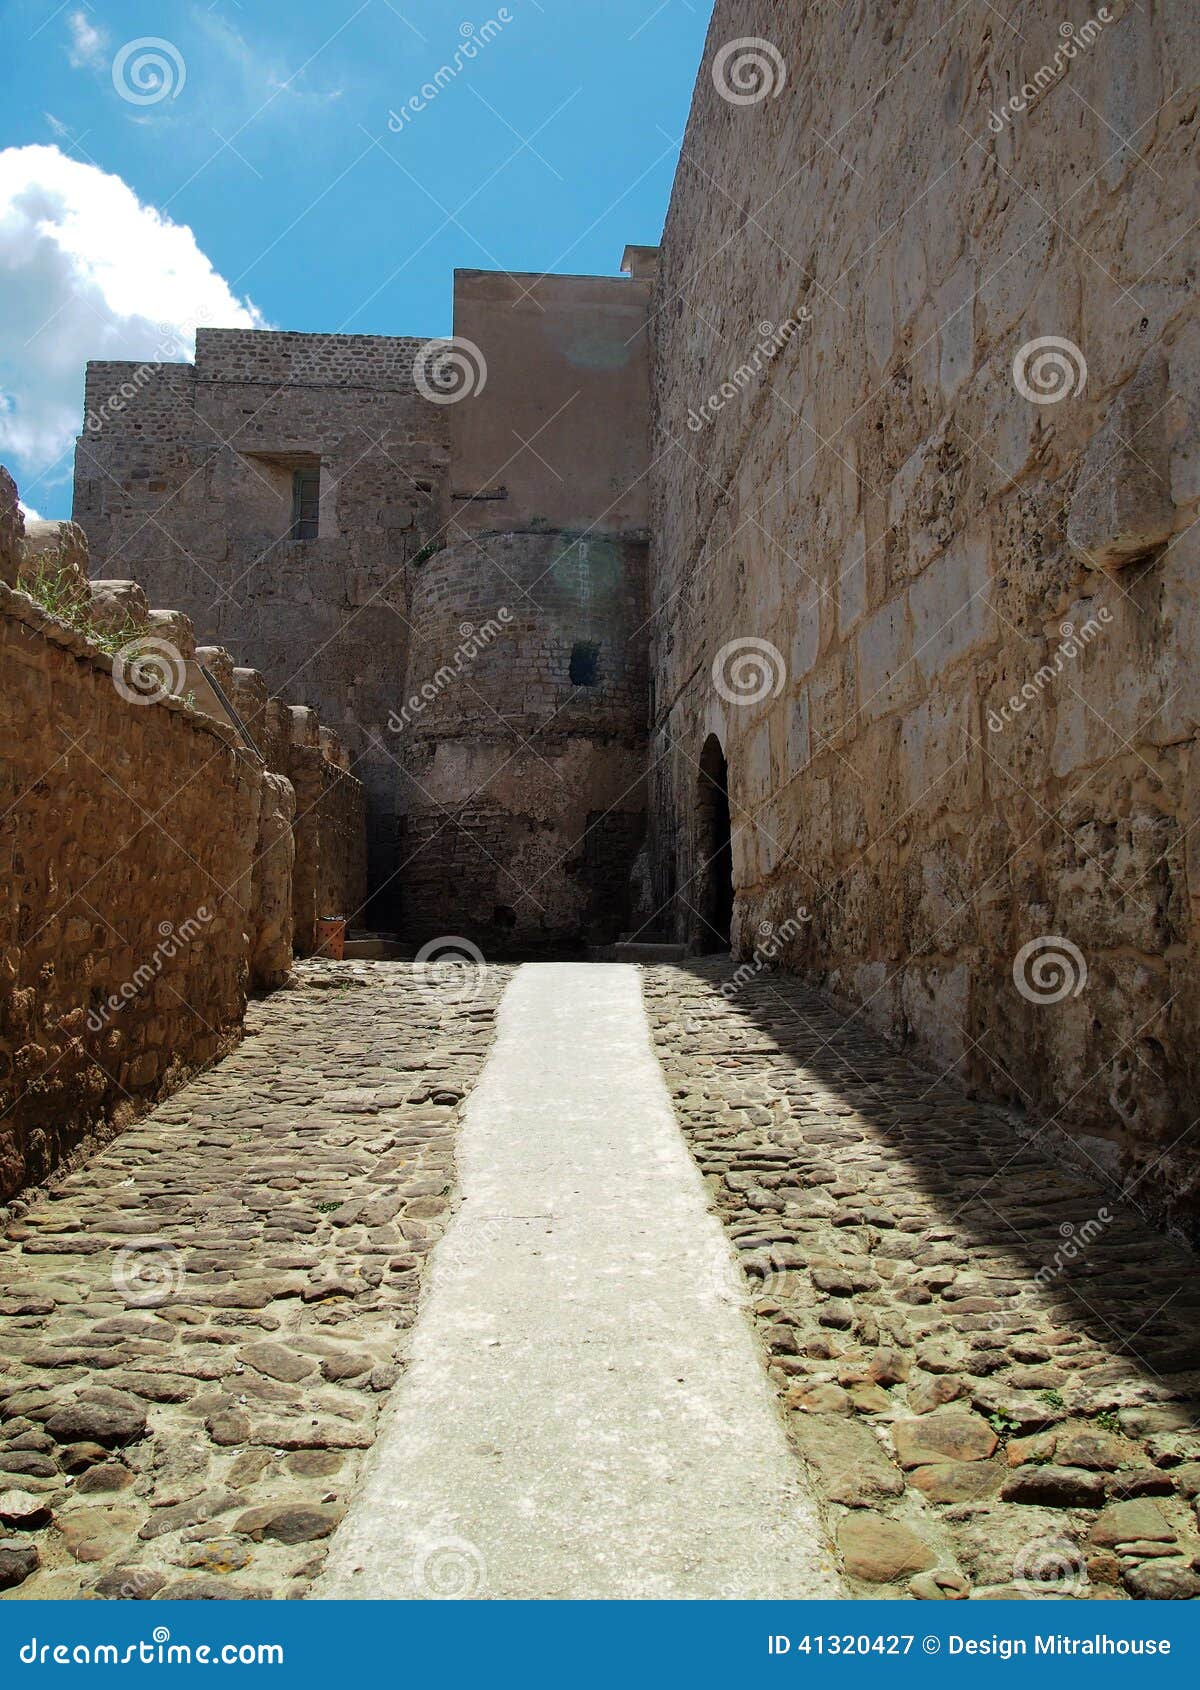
[331, 936]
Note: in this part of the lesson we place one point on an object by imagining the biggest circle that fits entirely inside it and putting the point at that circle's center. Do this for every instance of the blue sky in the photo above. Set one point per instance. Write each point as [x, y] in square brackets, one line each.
[548, 149]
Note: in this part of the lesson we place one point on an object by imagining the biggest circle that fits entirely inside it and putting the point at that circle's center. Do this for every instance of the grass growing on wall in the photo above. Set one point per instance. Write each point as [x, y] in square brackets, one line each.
[60, 595]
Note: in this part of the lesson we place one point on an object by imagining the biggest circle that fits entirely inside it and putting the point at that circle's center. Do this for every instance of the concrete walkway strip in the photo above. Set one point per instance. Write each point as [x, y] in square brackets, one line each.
[586, 1413]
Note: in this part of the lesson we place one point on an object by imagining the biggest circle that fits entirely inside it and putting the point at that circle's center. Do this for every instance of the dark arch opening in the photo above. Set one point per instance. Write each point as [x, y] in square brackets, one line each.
[714, 850]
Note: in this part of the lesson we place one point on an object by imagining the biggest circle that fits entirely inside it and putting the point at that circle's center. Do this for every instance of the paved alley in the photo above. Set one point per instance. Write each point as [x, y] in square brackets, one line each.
[586, 1413]
[588, 1280]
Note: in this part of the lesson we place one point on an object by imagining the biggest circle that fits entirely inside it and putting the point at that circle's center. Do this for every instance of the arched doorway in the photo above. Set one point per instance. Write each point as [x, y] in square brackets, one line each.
[714, 851]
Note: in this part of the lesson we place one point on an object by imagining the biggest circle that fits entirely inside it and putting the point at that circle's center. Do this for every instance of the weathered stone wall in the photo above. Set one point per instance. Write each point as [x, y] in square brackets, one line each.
[147, 853]
[342, 864]
[527, 434]
[330, 875]
[128, 838]
[921, 532]
[523, 790]
[183, 478]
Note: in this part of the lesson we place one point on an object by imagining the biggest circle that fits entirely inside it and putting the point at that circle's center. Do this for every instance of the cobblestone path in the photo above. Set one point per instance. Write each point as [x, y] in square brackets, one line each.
[990, 1365]
[585, 1413]
[199, 1327]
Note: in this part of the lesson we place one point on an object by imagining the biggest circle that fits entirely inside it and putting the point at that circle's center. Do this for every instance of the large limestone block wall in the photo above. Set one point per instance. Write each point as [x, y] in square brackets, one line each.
[523, 792]
[183, 479]
[973, 575]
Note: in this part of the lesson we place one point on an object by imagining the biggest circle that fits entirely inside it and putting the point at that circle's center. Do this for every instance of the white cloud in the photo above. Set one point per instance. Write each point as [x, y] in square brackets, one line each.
[28, 512]
[89, 44]
[88, 271]
[263, 80]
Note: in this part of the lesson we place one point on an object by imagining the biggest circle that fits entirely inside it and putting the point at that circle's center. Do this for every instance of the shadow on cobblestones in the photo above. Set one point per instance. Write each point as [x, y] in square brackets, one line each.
[926, 1267]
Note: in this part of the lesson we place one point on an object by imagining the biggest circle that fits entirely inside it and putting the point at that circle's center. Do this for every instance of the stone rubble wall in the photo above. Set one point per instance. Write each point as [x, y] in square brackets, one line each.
[329, 824]
[330, 876]
[920, 542]
[342, 862]
[147, 856]
[124, 827]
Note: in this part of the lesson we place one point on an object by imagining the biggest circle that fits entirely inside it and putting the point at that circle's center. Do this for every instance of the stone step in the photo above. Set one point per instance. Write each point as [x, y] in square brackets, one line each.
[376, 947]
[640, 950]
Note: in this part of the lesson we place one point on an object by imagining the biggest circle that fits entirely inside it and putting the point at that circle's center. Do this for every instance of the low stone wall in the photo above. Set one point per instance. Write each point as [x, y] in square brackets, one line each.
[330, 876]
[328, 825]
[342, 864]
[128, 836]
[147, 850]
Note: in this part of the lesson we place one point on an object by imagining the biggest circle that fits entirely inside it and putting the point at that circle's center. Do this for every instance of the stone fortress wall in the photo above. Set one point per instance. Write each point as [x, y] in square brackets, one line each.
[184, 479]
[147, 853]
[506, 798]
[919, 543]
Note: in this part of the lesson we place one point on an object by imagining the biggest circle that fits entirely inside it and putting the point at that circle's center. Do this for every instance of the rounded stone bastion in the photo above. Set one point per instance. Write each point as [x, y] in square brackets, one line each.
[522, 737]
